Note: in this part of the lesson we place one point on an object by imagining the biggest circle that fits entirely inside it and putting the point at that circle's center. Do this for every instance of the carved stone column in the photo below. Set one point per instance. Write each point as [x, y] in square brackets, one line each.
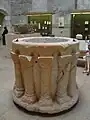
[63, 78]
[36, 74]
[19, 86]
[45, 71]
[54, 74]
[27, 71]
[72, 85]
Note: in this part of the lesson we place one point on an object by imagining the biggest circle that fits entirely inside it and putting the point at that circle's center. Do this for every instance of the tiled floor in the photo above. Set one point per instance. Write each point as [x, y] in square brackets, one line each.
[8, 111]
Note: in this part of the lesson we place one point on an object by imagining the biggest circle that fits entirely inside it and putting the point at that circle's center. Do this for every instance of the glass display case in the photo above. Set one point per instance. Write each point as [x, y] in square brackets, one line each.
[80, 24]
[42, 22]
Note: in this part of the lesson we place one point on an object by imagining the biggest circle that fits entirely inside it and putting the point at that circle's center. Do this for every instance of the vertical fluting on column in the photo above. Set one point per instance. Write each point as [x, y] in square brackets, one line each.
[72, 85]
[45, 71]
[27, 71]
[54, 74]
[63, 77]
[19, 86]
[36, 74]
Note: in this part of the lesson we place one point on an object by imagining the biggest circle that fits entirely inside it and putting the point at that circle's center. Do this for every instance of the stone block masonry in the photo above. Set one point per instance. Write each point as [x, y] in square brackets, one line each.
[20, 6]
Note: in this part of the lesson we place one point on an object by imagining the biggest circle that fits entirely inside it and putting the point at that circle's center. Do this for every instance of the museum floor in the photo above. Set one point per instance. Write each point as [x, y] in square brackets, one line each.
[8, 111]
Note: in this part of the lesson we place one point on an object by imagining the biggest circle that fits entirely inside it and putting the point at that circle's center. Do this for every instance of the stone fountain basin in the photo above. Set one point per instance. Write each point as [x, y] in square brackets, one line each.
[45, 46]
[45, 73]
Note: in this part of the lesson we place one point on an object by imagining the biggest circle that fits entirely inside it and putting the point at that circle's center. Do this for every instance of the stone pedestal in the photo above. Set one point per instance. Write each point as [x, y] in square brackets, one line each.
[45, 71]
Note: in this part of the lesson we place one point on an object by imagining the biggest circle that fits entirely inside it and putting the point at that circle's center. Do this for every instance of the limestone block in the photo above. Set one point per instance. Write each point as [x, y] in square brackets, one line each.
[46, 70]
[27, 71]
[36, 74]
[19, 86]
[63, 78]
[72, 86]
[54, 75]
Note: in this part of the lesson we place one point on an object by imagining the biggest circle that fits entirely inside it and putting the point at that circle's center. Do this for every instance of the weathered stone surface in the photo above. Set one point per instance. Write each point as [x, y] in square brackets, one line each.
[48, 69]
[20, 6]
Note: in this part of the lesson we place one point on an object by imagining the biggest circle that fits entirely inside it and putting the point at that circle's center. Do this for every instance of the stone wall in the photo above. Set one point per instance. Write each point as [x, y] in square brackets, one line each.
[39, 5]
[22, 6]
[19, 7]
[50, 5]
[83, 4]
